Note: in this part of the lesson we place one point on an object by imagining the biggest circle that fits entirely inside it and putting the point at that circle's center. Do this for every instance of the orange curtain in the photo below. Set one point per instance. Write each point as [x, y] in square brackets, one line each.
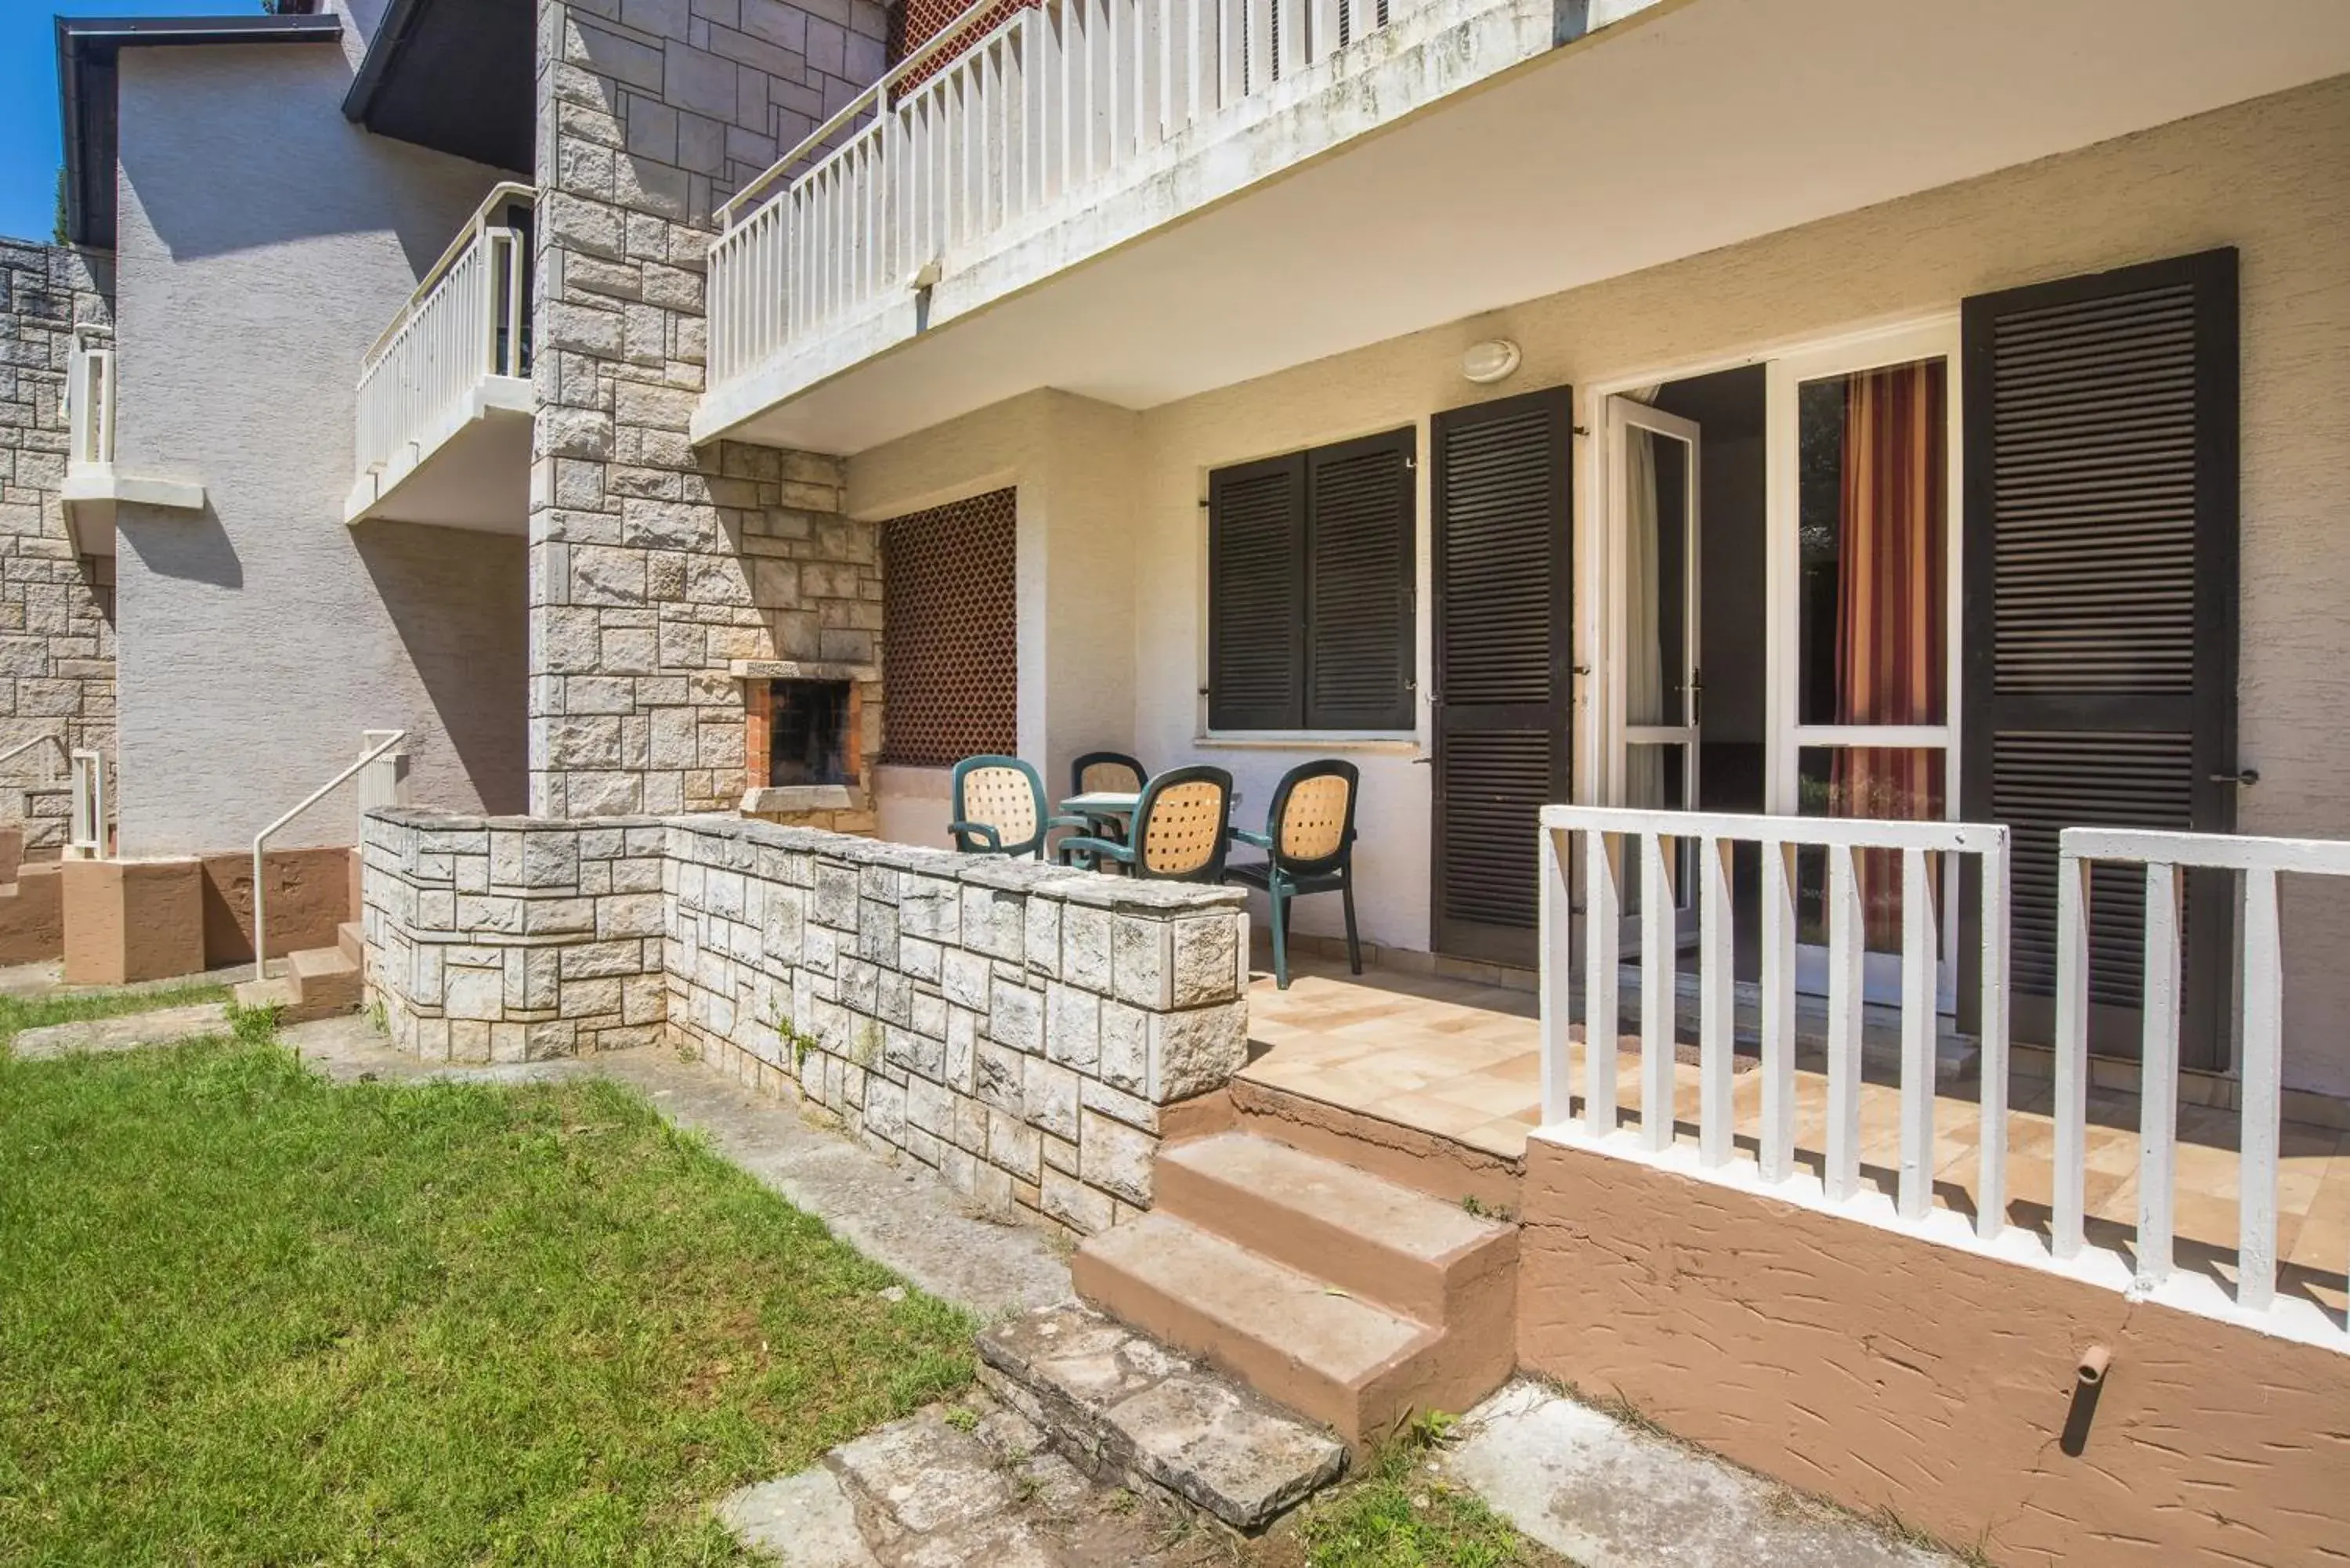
[1890, 622]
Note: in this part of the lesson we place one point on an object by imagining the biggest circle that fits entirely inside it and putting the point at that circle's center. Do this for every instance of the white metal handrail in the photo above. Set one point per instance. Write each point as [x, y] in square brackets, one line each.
[464, 322]
[369, 795]
[89, 408]
[1601, 829]
[2259, 862]
[57, 747]
[1044, 104]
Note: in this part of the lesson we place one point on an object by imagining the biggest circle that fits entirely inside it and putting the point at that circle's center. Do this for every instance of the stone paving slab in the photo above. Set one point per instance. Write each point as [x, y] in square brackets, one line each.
[1121, 1404]
[957, 1485]
[805, 1520]
[47, 978]
[124, 1032]
[1608, 1495]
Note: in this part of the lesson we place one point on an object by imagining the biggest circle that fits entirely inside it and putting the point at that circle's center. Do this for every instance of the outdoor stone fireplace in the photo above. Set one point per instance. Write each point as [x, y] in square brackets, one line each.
[811, 735]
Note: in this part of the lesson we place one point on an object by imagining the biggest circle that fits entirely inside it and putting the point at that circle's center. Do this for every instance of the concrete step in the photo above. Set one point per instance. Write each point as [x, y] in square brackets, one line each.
[316, 983]
[352, 940]
[1372, 1238]
[1300, 1340]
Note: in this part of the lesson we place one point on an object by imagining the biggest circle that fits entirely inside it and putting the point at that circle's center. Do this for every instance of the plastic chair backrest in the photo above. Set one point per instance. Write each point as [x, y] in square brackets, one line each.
[1178, 824]
[1312, 822]
[1109, 772]
[1003, 794]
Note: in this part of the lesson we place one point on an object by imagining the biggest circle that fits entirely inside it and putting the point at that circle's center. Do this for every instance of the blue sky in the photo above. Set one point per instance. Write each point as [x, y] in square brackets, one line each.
[29, 150]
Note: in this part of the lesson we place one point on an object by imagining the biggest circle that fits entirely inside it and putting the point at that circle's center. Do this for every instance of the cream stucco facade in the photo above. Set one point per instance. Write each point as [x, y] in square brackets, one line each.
[1113, 560]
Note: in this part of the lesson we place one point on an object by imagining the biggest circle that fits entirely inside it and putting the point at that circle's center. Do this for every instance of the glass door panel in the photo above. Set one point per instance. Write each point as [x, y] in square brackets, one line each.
[1866, 570]
[1653, 515]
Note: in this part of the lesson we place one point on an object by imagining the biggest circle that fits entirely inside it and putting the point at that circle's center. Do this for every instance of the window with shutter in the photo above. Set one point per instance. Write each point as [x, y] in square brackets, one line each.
[2101, 577]
[1310, 589]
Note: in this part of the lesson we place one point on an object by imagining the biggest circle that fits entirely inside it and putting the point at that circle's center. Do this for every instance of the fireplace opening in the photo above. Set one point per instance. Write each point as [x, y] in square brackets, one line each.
[807, 738]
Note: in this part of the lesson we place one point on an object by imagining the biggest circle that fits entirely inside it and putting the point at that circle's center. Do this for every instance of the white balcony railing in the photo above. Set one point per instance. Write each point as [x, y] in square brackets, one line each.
[2136, 1259]
[1053, 99]
[89, 410]
[467, 323]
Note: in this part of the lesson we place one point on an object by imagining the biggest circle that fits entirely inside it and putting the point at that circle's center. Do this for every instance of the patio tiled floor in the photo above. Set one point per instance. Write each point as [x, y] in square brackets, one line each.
[1457, 1059]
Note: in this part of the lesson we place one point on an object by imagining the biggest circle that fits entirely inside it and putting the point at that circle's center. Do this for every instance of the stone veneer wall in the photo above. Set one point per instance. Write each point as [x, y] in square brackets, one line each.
[56, 613]
[501, 938]
[655, 566]
[1018, 1027]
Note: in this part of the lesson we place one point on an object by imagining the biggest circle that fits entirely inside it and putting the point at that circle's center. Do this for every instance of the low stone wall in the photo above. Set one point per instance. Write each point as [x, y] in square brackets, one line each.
[510, 938]
[1020, 1028]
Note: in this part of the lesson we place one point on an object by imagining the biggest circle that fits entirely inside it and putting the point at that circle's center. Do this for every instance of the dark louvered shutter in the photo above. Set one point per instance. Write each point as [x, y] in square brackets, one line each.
[1256, 569]
[1502, 544]
[2100, 429]
[1358, 584]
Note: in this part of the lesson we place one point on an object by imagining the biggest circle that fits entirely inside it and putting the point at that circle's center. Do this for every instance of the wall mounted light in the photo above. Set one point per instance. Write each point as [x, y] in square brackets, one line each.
[1495, 359]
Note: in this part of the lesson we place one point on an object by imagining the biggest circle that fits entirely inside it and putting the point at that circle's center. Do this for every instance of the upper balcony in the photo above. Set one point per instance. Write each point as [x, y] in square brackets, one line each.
[94, 487]
[994, 158]
[444, 395]
[1138, 201]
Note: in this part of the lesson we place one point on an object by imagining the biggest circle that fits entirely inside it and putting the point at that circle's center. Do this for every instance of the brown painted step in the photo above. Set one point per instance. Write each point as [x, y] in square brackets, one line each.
[352, 941]
[1377, 1240]
[1298, 1340]
[317, 982]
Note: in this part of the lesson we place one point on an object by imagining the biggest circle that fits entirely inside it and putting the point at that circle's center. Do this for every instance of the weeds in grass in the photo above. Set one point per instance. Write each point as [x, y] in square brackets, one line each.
[249, 1317]
[253, 1025]
[1401, 1515]
[963, 1418]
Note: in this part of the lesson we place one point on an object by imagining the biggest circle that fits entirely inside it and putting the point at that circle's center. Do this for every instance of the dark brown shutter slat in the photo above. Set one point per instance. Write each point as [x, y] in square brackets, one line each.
[1501, 546]
[2100, 429]
[1358, 584]
[1256, 641]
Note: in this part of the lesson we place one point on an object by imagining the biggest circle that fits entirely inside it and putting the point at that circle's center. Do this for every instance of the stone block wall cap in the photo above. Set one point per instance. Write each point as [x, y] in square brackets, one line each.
[1011, 875]
[1124, 893]
[800, 669]
[440, 821]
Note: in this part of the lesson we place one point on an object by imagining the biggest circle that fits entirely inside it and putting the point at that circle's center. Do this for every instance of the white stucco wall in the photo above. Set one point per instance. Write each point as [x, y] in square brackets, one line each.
[264, 242]
[2271, 177]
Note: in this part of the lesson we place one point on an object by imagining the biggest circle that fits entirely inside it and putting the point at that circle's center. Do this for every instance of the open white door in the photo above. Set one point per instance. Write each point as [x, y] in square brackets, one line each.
[1656, 680]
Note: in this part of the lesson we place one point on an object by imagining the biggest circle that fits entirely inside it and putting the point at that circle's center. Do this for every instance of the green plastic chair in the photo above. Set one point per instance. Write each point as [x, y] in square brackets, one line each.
[1112, 773]
[1309, 844]
[999, 809]
[1178, 833]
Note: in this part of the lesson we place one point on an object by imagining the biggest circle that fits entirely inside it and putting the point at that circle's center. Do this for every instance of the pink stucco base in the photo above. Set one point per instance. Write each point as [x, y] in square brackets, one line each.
[1884, 1372]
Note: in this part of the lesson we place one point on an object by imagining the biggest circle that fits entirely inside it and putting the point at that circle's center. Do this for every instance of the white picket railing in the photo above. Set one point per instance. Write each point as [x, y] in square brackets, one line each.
[1660, 844]
[2259, 862]
[1606, 833]
[1052, 98]
[89, 408]
[464, 322]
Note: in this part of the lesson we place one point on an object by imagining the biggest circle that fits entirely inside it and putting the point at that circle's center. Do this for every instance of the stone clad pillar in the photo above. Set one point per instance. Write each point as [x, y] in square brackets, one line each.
[654, 567]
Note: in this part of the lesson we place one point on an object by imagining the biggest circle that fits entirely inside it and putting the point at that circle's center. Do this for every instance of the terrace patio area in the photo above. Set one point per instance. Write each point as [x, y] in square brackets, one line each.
[1460, 1060]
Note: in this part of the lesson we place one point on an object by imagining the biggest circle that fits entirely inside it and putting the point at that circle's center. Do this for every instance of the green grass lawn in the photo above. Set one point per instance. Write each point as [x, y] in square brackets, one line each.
[249, 1317]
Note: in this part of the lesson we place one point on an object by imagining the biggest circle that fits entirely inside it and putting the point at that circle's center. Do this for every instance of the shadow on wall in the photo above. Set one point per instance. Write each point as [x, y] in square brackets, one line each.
[458, 600]
[259, 154]
[174, 544]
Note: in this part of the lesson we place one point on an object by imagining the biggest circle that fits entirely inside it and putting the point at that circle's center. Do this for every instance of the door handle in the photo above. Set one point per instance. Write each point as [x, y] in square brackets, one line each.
[2247, 777]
